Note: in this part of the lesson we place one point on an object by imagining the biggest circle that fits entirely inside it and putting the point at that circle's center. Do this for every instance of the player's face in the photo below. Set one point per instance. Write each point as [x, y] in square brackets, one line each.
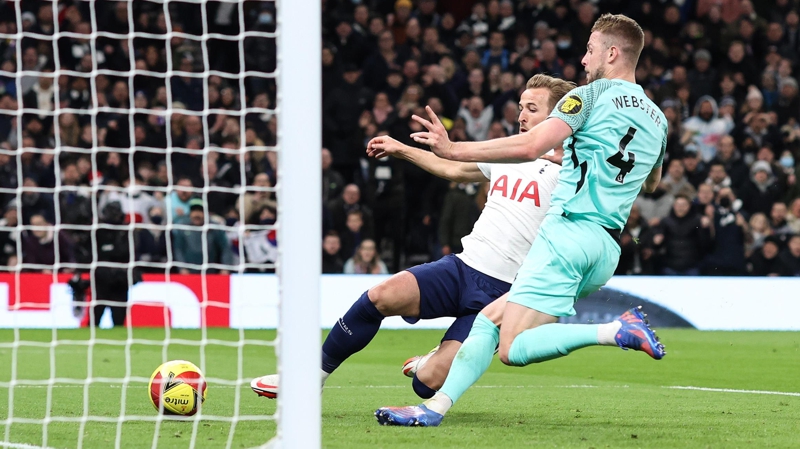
[534, 107]
[594, 59]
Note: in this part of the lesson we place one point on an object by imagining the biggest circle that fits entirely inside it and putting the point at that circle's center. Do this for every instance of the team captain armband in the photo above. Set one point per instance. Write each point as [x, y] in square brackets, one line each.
[576, 106]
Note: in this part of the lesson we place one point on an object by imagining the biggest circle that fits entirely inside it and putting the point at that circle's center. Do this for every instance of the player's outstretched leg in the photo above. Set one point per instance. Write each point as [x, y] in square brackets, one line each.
[398, 295]
[550, 341]
[469, 364]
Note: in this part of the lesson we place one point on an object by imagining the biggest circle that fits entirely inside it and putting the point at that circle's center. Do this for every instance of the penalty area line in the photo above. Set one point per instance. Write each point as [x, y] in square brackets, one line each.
[730, 390]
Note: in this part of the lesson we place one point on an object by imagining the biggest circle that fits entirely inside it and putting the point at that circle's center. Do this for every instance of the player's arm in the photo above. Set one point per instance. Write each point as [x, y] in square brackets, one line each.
[382, 146]
[654, 178]
[518, 148]
[567, 117]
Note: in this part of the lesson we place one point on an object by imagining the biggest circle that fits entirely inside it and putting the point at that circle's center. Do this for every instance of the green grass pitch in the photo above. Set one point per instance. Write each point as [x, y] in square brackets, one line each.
[595, 398]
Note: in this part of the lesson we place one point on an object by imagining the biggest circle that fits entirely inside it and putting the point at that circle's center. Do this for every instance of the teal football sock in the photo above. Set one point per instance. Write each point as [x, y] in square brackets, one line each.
[473, 358]
[551, 341]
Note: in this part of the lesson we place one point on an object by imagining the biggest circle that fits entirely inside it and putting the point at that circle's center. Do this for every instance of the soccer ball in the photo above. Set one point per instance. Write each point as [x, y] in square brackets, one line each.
[178, 387]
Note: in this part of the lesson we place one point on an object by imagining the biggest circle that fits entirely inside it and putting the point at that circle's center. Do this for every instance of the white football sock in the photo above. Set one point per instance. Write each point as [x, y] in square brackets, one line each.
[324, 376]
[606, 333]
[439, 403]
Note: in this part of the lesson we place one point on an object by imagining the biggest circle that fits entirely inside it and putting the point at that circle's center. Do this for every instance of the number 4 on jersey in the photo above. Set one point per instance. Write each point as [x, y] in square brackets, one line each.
[618, 159]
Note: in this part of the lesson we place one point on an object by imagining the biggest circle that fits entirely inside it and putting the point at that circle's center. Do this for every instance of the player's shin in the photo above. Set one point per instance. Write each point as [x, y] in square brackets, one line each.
[551, 341]
[351, 333]
[471, 361]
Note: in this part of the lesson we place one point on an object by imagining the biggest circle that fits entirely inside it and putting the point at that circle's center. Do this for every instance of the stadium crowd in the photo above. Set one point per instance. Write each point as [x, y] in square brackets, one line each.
[723, 73]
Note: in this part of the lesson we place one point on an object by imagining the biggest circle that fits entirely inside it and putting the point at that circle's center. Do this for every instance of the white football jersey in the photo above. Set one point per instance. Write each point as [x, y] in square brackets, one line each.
[519, 196]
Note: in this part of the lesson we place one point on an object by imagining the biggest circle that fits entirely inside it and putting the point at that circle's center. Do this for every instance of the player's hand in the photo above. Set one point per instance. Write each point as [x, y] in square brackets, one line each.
[383, 146]
[435, 136]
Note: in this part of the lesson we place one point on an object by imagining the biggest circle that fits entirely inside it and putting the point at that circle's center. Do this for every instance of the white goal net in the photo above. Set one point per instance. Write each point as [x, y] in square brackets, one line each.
[157, 205]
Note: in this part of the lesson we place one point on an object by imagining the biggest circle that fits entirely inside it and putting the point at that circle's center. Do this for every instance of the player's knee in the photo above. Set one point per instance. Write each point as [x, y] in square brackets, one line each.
[379, 296]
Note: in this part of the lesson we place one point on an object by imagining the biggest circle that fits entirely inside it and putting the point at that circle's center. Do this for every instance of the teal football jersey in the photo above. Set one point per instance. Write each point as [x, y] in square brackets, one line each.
[618, 137]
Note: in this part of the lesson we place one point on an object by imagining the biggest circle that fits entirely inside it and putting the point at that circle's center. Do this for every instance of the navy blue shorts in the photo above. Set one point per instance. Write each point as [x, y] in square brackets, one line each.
[450, 288]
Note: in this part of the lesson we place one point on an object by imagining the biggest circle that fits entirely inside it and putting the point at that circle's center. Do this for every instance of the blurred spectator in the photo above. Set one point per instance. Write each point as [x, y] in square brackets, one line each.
[790, 257]
[718, 178]
[178, 199]
[682, 238]
[331, 259]
[793, 217]
[778, 216]
[762, 191]
[353, 233]
[477, 117]
[189, 246]
[365, 260]
[458, 216]
[702, 79]
[113, 283]
[341, 112]
[35, 202]
[135, 201]
[765, 261]
[332, 181]
[729, 231]
[261, 246]
[759, 231]
[693, 168]
[705, 127]
[704, 199]
[657, 205]
[253, 202]
[152, 242]
[38, 246]
[636, 252]
[9, 237]
[729, 157]
[350, 201]
[675, 182]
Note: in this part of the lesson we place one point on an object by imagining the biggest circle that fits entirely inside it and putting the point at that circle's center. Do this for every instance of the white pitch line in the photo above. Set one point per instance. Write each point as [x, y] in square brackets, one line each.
[729, 390]
[341, 387]
[22, 446]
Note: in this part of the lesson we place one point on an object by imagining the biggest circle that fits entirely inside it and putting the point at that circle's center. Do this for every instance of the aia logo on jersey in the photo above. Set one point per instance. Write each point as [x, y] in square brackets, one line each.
[530, 191]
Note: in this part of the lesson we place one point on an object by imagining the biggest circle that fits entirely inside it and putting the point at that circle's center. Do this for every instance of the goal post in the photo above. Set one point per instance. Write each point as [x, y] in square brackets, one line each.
[300, 221]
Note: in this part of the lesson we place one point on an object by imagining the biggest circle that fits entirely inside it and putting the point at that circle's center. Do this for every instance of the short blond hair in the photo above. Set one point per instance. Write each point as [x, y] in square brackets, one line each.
[624, 33]
[558, 88]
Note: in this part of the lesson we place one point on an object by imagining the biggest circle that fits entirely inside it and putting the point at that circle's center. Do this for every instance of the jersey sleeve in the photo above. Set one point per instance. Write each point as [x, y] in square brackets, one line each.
[486, 169]
[576, 106]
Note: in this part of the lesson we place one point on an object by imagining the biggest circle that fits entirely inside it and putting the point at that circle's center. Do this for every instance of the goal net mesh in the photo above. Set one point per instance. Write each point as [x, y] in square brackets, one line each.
[138, 159]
